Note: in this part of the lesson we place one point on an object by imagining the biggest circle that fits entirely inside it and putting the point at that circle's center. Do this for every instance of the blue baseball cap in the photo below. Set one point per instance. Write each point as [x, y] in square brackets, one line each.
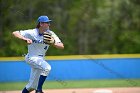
[43, 19]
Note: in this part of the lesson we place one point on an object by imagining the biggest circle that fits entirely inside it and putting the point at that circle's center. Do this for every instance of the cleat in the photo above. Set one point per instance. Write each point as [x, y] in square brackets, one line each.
[39, 92]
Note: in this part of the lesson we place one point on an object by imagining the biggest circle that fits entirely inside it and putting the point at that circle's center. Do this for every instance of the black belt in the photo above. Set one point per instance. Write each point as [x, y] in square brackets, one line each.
[41, 55]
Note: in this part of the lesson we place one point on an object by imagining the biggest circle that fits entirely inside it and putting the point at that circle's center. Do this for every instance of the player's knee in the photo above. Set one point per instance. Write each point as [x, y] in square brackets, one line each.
[46, 70]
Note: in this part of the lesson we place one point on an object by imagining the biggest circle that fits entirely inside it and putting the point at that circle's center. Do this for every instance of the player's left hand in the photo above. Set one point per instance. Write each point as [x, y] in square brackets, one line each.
[48, 39]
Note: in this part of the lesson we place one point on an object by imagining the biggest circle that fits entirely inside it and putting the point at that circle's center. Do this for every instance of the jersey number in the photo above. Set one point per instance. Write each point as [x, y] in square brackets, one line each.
[46, 47]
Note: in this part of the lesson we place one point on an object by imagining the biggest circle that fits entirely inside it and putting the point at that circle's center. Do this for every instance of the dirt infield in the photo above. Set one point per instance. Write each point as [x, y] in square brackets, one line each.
[88, 90]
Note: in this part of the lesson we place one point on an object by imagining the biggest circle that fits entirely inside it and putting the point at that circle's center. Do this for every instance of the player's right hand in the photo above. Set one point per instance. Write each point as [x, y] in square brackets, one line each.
[29, 41]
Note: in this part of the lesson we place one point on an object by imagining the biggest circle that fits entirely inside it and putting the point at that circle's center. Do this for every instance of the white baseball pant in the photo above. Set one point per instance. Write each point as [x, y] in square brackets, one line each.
[38, 67]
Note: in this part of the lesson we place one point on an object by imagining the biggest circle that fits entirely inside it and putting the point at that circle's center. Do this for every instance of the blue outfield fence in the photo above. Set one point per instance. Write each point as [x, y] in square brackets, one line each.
[75, 68]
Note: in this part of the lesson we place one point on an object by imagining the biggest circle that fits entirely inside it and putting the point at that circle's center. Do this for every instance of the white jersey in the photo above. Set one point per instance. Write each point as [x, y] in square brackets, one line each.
[38, 47]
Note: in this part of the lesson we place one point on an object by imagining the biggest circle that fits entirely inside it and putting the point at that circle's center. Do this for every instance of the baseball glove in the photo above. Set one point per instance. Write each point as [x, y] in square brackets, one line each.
[48, 39]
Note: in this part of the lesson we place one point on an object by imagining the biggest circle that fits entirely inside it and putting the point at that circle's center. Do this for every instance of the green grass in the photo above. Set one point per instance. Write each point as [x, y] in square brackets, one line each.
[75, 84]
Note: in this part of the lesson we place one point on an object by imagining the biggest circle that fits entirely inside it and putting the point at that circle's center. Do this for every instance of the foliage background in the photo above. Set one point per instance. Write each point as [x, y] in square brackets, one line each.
[84, 26]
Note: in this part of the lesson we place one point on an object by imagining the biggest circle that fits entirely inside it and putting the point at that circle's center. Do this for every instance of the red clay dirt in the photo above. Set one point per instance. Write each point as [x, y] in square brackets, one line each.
[87, 90]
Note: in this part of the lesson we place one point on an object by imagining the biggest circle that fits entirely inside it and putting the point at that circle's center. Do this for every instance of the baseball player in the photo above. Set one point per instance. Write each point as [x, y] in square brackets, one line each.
[38, 40]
